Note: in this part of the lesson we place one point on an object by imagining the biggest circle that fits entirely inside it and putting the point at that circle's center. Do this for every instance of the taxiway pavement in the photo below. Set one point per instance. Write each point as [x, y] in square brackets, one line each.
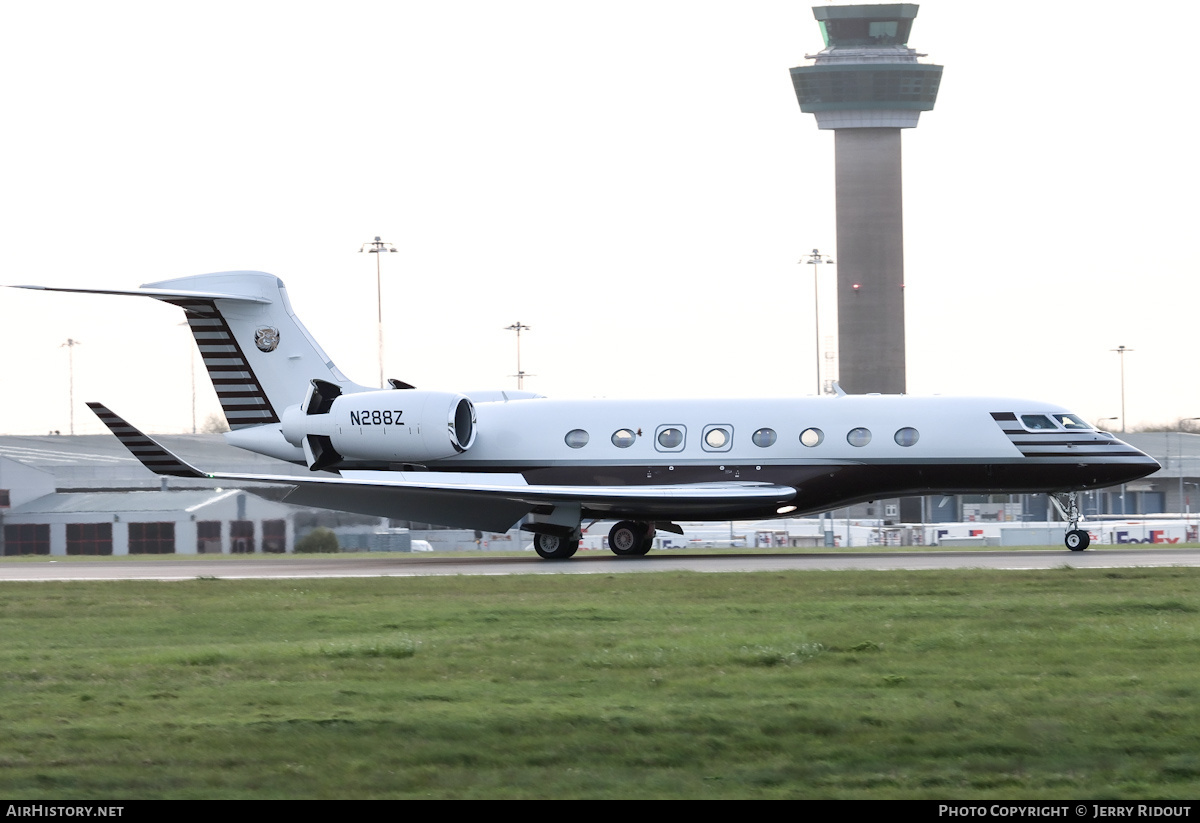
[406, 565]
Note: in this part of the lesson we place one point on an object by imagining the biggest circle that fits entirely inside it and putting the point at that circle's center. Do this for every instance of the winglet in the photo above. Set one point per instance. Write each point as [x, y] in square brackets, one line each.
[152, 455]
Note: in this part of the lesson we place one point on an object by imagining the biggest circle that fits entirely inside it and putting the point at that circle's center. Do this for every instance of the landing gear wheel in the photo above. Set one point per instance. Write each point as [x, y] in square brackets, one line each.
[648, 540]
[1078, 540]
[1068, 506]
[630, 538]
[553, 547]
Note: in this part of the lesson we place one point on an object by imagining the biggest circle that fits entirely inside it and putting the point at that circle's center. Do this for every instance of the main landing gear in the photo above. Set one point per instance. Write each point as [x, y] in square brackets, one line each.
[1068, 506]
[555, 547]
[631, 538]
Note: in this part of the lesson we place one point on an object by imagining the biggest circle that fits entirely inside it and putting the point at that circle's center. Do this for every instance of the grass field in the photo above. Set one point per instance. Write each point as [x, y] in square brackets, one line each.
[944, 684]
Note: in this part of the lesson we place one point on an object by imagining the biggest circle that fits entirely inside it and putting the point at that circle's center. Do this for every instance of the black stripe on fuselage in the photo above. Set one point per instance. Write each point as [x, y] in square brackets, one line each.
[1047, 441]
[1051, 442]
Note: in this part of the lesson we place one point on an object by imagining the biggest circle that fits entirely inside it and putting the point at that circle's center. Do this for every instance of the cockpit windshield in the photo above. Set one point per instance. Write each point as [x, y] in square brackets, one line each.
[1037, 421]
[1070, 422]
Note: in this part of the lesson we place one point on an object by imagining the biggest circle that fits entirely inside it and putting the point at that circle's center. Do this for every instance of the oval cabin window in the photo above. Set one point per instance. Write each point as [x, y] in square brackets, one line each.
[623, 438]
[859, 437]
[763, 438]
[670, 438]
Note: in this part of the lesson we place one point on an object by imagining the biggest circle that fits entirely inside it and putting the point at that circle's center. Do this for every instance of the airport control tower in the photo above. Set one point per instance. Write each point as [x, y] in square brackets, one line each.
[866, 85]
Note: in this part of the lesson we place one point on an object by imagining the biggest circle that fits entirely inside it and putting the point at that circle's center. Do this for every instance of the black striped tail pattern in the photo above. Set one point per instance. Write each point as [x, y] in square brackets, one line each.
[153, 456]
[242, 397]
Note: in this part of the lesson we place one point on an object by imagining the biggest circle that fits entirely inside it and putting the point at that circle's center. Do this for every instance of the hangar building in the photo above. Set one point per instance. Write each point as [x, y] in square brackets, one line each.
[40, 520]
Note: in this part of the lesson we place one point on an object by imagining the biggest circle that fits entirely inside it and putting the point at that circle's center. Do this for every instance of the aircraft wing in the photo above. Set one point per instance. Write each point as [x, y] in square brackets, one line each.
[473, 505]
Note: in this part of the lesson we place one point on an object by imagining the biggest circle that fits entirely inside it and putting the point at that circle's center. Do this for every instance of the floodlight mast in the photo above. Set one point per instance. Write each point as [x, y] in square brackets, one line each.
[1120, 350]
[816, 258]
[375, 247]
[70, 347]
[520, 375]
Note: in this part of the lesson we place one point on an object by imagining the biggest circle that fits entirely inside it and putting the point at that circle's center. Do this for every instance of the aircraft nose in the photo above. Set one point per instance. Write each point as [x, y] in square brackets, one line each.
[1143, 466]
[1129, 463]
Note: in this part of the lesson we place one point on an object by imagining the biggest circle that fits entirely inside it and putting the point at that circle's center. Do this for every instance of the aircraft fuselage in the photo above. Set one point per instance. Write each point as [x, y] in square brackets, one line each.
[832, 450]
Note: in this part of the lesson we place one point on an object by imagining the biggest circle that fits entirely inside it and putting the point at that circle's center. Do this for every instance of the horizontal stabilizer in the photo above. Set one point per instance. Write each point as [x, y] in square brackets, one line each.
[161, 294]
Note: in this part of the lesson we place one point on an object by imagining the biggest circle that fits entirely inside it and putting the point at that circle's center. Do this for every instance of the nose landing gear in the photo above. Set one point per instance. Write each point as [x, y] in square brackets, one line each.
[1068, 506]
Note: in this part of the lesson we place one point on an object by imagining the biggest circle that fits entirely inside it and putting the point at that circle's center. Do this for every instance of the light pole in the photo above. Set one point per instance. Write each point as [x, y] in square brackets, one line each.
[520, 375]
[70, 347]
[375, 247]
[192, 362]
[816, 258]
[1121, 351]
[1100, 425]
[1181, 433]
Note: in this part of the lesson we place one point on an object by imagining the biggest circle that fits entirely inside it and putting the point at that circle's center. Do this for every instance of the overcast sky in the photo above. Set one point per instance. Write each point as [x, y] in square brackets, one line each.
[633, 180]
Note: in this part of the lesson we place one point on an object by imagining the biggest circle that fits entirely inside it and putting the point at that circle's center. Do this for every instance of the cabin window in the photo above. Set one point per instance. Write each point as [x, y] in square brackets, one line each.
[764, 437]
[576, 438]
[907, 436]
[623, 438]
[1037, 421]
[670, 438]
[718, 438]
[812, 437]
[859, 437]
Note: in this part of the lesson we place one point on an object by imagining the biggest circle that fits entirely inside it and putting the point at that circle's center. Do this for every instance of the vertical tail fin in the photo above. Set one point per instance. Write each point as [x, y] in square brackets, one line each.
[258, 354]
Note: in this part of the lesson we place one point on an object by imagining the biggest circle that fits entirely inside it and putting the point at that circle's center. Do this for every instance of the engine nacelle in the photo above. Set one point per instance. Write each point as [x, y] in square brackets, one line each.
[397, 426]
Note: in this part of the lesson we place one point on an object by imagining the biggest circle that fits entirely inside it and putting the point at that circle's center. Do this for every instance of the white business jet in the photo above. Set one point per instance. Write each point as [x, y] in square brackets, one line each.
[505, 458]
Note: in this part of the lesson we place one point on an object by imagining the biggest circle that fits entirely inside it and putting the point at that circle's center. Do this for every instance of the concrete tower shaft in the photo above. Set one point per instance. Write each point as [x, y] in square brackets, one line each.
[870, 257]
[866, 85]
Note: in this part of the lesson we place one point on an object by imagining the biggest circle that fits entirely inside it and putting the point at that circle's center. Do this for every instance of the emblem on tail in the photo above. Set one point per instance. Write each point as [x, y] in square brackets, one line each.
[266, 338]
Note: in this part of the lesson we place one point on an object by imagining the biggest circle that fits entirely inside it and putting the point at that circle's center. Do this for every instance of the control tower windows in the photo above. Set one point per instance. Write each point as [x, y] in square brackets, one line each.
[864, 32]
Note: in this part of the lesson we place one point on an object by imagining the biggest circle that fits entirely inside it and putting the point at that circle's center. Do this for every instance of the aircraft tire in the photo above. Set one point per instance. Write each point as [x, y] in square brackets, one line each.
[553, 547]
[1078, 540]
[627, 538]
[647, 541]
